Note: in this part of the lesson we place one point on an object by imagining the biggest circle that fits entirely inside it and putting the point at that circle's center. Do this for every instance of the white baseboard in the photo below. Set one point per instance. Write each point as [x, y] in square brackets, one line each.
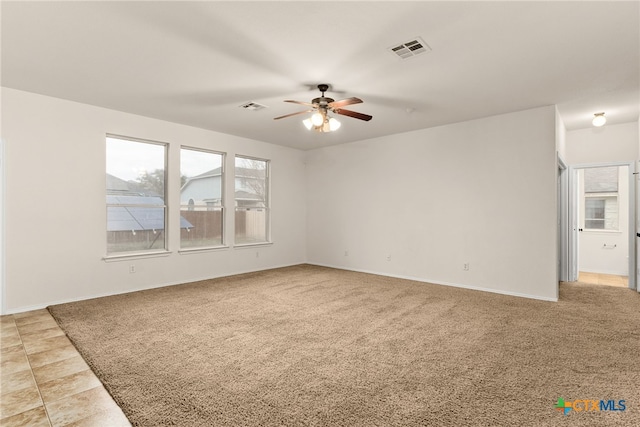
[438, 282]
[86, 297]
[377, 273]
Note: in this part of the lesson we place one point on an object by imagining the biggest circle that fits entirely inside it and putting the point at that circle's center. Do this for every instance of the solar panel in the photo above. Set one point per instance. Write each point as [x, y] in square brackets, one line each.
[137, 218]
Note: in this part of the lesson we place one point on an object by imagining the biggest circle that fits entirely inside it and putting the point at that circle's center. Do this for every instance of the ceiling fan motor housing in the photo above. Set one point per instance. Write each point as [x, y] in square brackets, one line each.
[324, 104]
[322, 101]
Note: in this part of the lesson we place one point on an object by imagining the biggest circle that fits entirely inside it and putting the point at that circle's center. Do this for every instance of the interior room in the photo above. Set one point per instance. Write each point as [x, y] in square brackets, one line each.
[319, 213]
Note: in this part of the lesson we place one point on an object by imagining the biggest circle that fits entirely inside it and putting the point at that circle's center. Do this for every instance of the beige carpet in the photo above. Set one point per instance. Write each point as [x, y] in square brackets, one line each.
[313, 346]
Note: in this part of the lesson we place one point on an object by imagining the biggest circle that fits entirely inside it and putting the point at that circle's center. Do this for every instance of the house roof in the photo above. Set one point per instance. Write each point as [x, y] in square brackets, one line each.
[117, 185]
[213, 172]
[484, 58]
[239, 171]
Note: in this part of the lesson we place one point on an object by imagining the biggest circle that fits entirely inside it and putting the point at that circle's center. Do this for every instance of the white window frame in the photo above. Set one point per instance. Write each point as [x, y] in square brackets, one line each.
[267, 202]
[150, 253]
[224, 238]
[602, 196]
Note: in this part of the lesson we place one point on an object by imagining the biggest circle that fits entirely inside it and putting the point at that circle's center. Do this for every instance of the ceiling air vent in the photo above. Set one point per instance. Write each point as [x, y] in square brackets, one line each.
[411, 48]
[253, 106]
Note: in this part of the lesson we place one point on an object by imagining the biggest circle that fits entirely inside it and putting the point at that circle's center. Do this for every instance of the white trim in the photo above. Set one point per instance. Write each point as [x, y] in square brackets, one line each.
[573, 205]
[165, 206]
[136, 255]
[251, 245]
[267, 200]
[187, 251]
[633, 250]
[103, 295]
[3, 277]
[563, 222]
[561, 163]
[634, 232]
[223, 194]
[438, 282]
[600, 231]
[135, 139]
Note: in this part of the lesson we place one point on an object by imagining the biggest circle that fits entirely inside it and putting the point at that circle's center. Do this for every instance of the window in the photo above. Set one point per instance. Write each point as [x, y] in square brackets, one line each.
[601, 198]
[135, 184]
[201, 203]
[252, 200]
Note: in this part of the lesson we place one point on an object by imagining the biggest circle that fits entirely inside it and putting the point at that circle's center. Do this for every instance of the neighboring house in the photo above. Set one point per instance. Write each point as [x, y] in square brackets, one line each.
[206, 189]
[202, 194]
[202, 190]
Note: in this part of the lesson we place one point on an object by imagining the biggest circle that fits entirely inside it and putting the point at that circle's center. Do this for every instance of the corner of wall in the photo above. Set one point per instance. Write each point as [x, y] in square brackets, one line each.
[561, 136]
[3, 307]
[435, 216]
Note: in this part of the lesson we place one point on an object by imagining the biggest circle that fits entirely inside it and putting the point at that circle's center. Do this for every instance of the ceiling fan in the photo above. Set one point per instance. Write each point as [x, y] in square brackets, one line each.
[320, 121]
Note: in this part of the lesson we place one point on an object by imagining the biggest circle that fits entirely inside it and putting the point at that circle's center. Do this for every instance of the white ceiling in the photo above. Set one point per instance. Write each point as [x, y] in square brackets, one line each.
[196, 62]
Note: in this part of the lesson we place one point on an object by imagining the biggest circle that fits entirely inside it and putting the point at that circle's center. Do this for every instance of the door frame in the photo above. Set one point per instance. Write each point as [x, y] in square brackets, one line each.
[563, 221]
[573, 204]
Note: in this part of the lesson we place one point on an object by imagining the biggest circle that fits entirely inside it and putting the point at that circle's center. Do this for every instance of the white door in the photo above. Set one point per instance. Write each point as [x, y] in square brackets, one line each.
[573, 223]
[637, 229]
[633, 221]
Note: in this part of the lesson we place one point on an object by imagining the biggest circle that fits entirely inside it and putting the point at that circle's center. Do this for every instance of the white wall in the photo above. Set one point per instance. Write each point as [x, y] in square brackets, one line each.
[610, 143]
[55, 213]
[481, 192]
[563, 200]
[561, 137]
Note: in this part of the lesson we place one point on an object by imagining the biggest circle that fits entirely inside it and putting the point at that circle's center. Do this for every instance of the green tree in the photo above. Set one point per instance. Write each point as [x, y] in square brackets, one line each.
[150, 184]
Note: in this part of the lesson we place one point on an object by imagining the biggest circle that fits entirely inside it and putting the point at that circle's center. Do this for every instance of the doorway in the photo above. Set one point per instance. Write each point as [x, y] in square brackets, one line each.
[602, 217]
[603, 279]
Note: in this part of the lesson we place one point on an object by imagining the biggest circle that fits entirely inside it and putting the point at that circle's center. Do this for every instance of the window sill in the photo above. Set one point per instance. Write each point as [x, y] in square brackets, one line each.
[138, 255]
[188, 251]
[252, 245]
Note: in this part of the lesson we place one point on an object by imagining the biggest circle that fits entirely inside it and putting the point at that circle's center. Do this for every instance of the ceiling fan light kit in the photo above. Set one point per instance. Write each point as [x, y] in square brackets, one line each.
[326, 124]
[599, 119]
[317, 119]
[320, 121]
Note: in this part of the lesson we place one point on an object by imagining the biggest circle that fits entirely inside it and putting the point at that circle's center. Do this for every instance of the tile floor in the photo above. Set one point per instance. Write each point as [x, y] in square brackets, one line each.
[45, 382]
[603, 279]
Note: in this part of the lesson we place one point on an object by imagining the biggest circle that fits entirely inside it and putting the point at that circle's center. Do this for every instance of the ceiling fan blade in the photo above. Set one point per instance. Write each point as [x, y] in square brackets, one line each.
[292, 114]
[353, 114]
[343, 102]
[298, 102]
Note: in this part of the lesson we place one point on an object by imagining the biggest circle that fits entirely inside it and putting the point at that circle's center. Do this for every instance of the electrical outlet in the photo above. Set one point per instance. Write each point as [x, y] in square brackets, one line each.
[346, 253]
[465, 267]
[388, 257]
[132, 269]
[257, 254]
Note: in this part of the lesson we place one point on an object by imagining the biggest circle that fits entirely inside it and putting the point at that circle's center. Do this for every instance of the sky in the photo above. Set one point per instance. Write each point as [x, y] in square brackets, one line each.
[128, 159]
